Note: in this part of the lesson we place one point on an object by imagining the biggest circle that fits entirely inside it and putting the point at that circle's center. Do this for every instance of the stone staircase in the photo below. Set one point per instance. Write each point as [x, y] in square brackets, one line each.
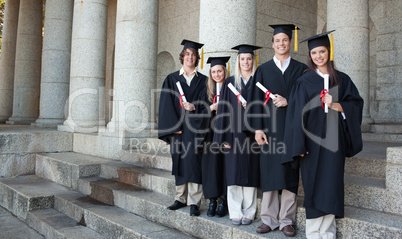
[99, 190]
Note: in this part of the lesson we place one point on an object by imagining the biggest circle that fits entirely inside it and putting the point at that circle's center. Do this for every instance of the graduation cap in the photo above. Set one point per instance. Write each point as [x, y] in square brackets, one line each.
[284, 28]
[218, 60]
[321, 39]
[287, 29]
[244, 48]
[191, 44]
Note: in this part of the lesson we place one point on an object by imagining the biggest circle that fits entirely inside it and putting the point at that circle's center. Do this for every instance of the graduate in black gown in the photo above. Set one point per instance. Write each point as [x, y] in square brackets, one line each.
[175, 127]
[266, 118]
[320, 141]
[241, 155]
[213, 171]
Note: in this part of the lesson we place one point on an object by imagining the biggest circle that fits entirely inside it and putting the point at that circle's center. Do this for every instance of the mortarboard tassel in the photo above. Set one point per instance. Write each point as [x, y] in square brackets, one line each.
[228, 69]
[332, 48]
[256, 59]
[202, 58]
[296, 44]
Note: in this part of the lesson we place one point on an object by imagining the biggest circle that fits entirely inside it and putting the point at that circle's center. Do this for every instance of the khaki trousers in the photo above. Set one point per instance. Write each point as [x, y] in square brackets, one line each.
[242, 202]
[189, 193]
[278, 213]
[321, 227]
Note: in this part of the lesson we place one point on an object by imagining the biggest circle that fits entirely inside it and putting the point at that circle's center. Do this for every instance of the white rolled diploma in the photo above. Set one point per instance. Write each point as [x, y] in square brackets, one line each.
[233, 89]
[183, 99]
[326, 86]
[265, 90]
[218, 92]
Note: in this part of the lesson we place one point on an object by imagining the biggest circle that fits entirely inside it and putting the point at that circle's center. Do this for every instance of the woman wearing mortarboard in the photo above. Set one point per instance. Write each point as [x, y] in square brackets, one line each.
[213, 171]
[241, 155]
[326, 119]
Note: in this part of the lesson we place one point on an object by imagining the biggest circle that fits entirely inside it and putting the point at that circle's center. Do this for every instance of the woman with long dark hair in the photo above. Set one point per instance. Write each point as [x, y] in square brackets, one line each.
[325, 130]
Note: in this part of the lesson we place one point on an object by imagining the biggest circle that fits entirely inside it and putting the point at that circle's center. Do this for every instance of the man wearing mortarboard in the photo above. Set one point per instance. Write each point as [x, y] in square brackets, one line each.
[174, 127]
[278, 76]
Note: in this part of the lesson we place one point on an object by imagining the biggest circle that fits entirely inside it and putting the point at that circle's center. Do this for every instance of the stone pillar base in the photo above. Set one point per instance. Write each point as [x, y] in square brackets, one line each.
[45, 123]
[80, 126]
[20, 121]
[142, 132]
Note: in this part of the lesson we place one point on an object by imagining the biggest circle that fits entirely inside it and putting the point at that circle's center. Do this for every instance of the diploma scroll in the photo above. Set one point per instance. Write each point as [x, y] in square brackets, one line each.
[182, 97]
[218, 92]
[233, 89]
[265, 90]
[326, 86]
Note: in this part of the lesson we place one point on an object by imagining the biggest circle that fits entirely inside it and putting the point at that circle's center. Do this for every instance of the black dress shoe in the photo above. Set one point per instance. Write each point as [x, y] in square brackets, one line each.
[194, 211]
[176, 205]
[222, 208]
[212, 208]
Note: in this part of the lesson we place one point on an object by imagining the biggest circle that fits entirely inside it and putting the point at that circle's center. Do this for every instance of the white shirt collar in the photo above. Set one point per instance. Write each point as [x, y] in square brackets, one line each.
[286, 63]
[192, 73]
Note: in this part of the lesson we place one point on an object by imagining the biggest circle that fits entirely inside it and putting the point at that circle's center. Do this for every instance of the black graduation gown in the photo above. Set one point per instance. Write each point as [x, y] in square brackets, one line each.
[274, 175]
[186, 156]
[213, 169]
[242, 160]
[327, 137]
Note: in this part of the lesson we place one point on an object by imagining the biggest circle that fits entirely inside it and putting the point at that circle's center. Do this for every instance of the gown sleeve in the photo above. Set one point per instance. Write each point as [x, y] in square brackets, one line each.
[352, 105]
[295, 138]
[169, 118]
[222, 123]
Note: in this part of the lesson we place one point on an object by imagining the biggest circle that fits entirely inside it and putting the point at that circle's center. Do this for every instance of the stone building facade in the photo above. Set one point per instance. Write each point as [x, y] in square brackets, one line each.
[99, 64]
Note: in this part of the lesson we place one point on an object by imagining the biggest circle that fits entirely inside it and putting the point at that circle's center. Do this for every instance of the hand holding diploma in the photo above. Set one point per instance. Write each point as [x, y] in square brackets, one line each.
[182, 97]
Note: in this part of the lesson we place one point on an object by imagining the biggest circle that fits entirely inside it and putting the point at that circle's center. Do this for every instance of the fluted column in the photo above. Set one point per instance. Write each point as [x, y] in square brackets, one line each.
[27, 63]
[234, 23]
[56, 53]
[135, 67]
[7, 60]
[87, 70]
[350, 19]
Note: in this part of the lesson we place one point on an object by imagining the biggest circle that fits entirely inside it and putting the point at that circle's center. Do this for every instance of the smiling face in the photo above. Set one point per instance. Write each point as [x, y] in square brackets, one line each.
[246, 61]
[218, 73]
[320, 56]
[281, 44]
[189, 58]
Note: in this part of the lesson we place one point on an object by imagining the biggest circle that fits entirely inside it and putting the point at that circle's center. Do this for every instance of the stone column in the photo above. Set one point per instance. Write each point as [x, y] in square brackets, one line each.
[350, 19]
[234, 23]
[135, 68]
[27, 63]
[55, 62]
[7, 59]
[87, 70]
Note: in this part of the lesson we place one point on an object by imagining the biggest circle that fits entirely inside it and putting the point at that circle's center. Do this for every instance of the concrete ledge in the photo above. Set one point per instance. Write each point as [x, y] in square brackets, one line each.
[112, 222]
[54, 224]
[23, 194]
[67, 168]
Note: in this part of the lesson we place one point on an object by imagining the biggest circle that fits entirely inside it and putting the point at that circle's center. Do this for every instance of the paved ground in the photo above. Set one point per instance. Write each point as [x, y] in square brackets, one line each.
[13, 228]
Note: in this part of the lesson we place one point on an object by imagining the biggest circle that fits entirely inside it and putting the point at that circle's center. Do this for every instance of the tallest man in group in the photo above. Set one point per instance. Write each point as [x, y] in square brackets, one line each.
[174, 127]
[278, 76]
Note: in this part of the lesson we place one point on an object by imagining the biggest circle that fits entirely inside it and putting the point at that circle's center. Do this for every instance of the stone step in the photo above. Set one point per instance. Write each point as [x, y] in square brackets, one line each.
[382, 137]
[35, 200]
[111, 221]
[69, 168]
[19, 144]
[22, 194]
[152, 205]
[54, 224]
